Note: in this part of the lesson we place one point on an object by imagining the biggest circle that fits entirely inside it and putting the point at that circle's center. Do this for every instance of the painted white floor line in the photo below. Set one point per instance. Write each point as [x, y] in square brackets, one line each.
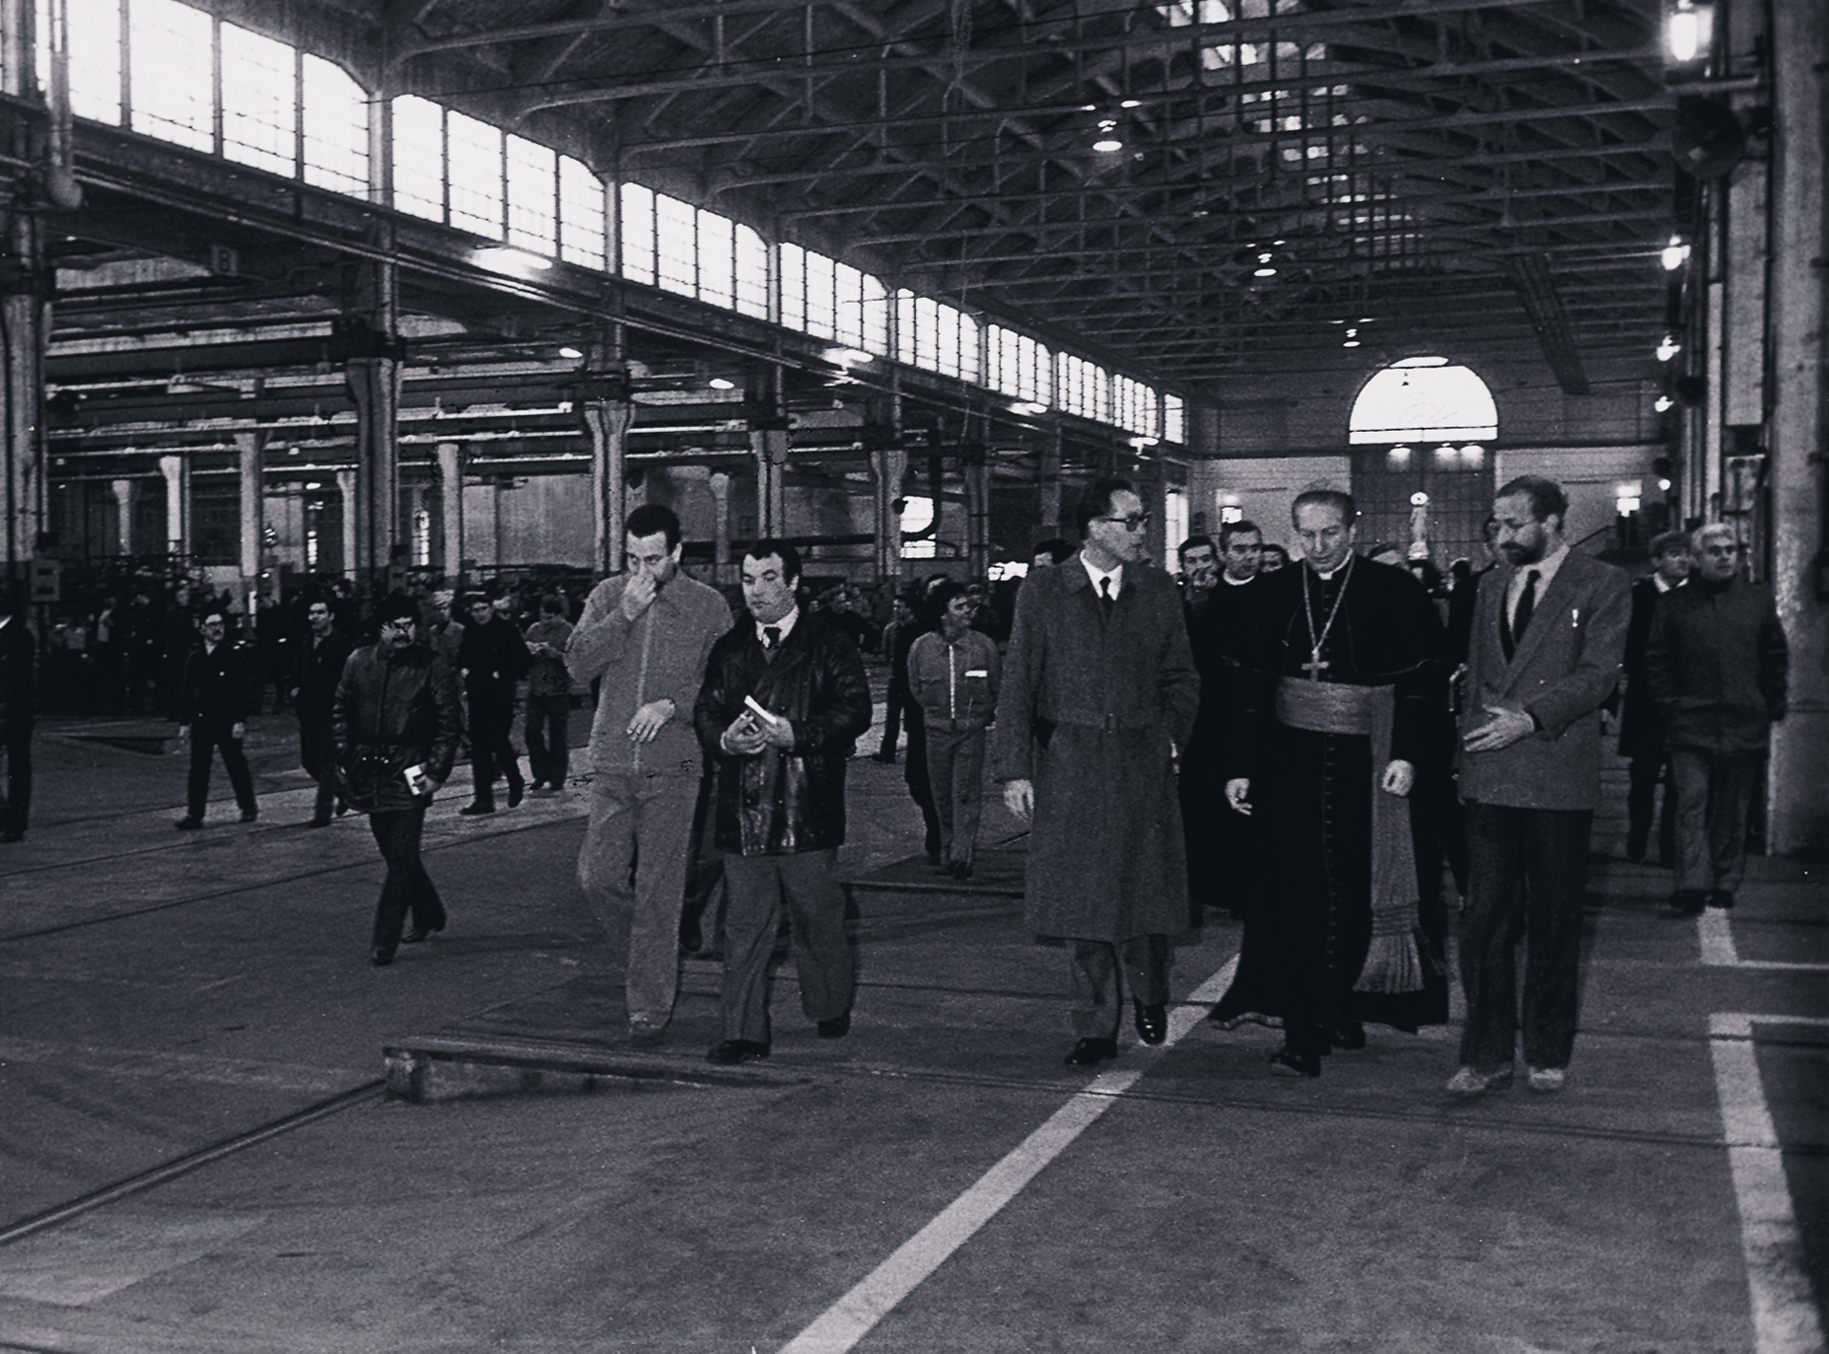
[1785, 1319]
[1717, 937]
[853, 1316]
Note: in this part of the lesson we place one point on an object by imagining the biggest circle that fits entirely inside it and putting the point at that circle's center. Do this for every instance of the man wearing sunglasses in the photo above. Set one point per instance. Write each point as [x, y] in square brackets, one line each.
[1099, 691]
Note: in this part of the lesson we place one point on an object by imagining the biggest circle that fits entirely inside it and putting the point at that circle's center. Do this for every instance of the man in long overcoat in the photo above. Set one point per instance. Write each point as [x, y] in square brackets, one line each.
[1099, 692]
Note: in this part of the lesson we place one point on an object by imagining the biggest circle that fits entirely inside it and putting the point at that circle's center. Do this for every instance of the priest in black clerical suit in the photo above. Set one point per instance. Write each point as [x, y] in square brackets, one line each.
[1341, 689]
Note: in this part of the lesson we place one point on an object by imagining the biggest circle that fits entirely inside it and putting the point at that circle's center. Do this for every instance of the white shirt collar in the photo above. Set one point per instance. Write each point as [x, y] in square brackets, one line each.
[1237, 582]
[1663, 585]
[1115, 575]
[785, 625]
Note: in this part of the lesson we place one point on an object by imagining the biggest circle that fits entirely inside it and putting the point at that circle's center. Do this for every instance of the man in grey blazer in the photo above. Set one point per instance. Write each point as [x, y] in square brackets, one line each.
[1549, 630]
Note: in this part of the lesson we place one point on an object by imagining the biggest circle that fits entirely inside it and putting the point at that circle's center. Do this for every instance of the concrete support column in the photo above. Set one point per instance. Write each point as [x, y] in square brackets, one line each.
[373, 528]
[451, 504]
[608, 421]
[346, 490]
[888, 472]
[25, 307]
[768, 441]
[126, 494]
[1048, 483]
[721, 572]
[248, 448]
[975, 472]
[177, 472]
[1798, 424]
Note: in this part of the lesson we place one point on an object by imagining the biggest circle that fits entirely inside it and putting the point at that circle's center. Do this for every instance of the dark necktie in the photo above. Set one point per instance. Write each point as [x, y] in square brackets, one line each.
[1527, 603]
[771, 639]
[1105, 594]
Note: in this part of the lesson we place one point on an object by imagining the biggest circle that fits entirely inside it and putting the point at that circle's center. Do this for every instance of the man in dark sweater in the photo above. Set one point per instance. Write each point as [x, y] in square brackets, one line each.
[1717, 665]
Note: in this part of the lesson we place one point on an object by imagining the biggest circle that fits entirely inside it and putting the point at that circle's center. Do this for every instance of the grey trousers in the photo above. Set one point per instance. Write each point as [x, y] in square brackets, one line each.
[807, 883]
[1714, 791]
[1097, 1001]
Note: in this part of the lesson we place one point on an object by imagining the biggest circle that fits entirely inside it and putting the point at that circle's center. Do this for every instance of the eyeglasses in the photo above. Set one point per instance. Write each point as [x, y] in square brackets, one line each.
[398, 623]
[1135, 522]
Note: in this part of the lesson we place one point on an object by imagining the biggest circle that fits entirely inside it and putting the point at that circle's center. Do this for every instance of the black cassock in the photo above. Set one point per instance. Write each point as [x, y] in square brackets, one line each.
[1308, 932]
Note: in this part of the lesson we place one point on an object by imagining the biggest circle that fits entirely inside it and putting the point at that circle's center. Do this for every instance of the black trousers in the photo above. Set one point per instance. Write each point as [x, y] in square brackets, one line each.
[491, 718]
[407, 888]
[205, 740]
[16, 802]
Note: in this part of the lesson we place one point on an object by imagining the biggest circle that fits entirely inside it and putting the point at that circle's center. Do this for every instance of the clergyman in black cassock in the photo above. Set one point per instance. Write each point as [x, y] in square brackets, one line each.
[1342, 680]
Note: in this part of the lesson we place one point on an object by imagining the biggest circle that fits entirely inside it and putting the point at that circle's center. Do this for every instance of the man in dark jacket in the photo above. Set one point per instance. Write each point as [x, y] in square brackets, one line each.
[395, 723]
[1717, 665]
[784, 700]
[315, 674]
[212, 713]
[16, 713]
[494, 657]
[1641, 729]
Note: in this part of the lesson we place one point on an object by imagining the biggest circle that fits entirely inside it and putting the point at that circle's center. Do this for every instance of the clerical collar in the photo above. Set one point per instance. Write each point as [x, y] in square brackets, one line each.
[1115, 575]
[1238, 582]
[1328, 577]
[783, 627]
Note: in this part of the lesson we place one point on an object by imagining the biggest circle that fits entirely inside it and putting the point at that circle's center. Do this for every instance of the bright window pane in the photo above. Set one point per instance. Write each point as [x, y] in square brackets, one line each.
[821, 296]
[676, 239]
[172, 79]
[582, 233]
[638, 233]
[1424, 400]
[971, 360]
[474, 174]
[95, 59]
[1174, 419]
[717, 267]
[752, 273]
[532, 184]
[419, 157]
[848, 305]
[259, 101]
[336, 128]
[874, 301]
[793, 287]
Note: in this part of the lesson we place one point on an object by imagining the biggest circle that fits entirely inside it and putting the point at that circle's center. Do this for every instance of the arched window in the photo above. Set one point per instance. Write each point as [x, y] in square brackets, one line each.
[1423, 399]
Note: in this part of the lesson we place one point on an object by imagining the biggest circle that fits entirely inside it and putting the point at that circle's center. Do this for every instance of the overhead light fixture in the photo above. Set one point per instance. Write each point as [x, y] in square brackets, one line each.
[515, 262]
[1108, 142]
[1131, 103]
[1143, 443]
[847, 357]
[1028, 408]
[1350, 343]
[1669, 348]
[1663, 486]
[1663, 404]
[1689, 32]
[720, 383]
[1675, 254]
[571, 353]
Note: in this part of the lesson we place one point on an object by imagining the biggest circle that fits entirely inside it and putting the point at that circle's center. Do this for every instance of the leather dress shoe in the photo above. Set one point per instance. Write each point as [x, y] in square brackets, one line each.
[1349, 1035]
[1689, 902]
[1089, 1052]
[249, 815]
[1720, 898]
[318, 822]
[381, 956]
[1287, 1062]
[189, 823]
[516, 789]
[1470, 1083]
[835, 1028]
[1152, 1022]
[734, 1051]
[471, 810]
[419, 934]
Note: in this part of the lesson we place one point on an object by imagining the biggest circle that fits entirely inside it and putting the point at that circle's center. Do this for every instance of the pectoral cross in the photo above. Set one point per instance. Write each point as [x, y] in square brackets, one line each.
[1315, 666]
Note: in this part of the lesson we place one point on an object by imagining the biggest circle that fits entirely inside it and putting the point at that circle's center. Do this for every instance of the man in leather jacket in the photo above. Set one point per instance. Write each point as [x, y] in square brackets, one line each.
[780, 797]
[396, 722]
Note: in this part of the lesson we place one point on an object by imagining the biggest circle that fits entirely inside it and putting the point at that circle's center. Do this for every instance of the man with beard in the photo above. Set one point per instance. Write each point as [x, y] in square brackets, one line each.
[1099, 692]
[1335, 694]
[1549, 630]
[395, 723]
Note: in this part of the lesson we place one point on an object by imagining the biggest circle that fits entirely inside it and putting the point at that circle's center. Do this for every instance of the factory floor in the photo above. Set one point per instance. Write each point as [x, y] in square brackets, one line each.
[222, 1130]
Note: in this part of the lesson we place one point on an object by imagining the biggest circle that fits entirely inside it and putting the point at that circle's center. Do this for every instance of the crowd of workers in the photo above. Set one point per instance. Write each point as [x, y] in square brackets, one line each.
[1317, 748]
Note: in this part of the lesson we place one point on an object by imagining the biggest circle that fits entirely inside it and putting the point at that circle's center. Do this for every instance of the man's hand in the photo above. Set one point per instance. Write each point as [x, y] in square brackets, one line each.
[647, 721]
[1508, 725]
[238, 731]
[777, 731]
[637, 593]
[1019, 798]
[1399, 778]
[744, 737]
[1238, 795]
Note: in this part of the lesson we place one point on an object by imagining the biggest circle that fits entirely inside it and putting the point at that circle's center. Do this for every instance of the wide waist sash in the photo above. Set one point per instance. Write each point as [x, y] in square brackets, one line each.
[1326, 707]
